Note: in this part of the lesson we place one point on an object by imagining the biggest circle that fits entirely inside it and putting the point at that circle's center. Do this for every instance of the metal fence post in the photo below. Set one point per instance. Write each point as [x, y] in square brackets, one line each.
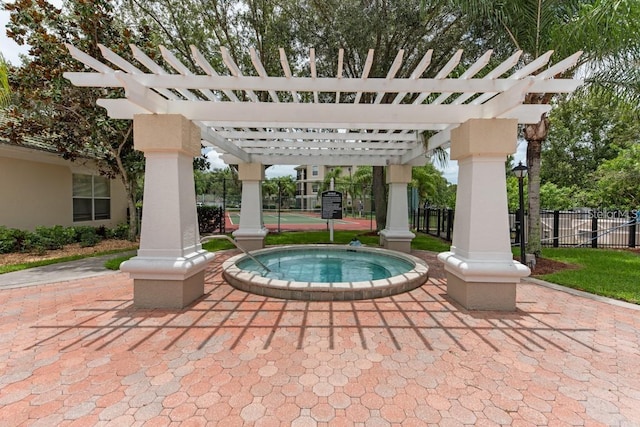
[449, 223]
[425, 225]
[556, 228]
[632, 233]
[594, 232]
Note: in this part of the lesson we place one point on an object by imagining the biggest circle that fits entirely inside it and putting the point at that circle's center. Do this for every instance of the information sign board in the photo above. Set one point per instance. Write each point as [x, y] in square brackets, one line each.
[331, 205]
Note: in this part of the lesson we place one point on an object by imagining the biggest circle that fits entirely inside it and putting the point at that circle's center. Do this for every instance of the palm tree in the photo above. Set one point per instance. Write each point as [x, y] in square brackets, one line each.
[605, 30]
[4, 82]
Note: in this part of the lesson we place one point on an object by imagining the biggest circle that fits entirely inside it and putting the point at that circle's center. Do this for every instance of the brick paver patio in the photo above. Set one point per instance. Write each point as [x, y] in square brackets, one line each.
[77, 353]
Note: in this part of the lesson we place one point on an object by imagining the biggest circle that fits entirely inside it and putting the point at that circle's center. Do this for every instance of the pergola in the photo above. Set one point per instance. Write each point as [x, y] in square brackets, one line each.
[266, 120]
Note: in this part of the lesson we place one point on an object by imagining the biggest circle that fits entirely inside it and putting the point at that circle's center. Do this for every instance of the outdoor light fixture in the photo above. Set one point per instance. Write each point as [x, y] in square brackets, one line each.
[521, 171]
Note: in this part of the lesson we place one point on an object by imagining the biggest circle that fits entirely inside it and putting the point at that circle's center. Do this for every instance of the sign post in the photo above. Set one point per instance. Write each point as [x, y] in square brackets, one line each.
[331, 208]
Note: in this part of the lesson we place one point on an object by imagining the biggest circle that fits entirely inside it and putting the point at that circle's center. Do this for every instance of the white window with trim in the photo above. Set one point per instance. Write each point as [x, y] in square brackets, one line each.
[91, 198]
[314, 188]
[314, 170]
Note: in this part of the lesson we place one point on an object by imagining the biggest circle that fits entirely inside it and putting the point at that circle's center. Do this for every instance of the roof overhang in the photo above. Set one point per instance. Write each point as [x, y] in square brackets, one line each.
[322, 120]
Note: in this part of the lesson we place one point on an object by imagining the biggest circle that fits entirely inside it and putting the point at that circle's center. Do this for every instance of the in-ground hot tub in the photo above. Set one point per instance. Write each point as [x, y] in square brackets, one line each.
[325, 272]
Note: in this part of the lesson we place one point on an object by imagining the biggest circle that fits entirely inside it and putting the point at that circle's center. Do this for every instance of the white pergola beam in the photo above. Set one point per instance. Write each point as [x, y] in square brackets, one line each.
[324, 116]
[319, 136]
[533, 66]
[279, 132]
[184, 70]
[246, 145]
[440, 139]
[305, 84]
[316, 150]
[312, 68]
[202, 62]
[158, 70]
[505, 66]
[141, 95]
[257, 64]
[416, 74]
[342, 160]
[507, 100]
[471, 71]
[235, 72]
[284, 63]
[393, 70]
[210, 136]
[87, 60]
[560, 67]
[365, 72]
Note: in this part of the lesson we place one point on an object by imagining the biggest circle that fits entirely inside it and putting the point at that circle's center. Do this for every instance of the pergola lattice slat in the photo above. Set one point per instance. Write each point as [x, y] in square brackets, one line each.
[289, 128]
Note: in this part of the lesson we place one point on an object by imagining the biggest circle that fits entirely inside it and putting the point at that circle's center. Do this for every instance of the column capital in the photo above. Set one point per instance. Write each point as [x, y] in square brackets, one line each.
[484, 137]
[250, 171]
[166, 132]
[400, 174]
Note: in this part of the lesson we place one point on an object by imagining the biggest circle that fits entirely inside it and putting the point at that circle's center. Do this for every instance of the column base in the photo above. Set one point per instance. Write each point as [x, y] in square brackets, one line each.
[150, 293]
[250, 240]
[396, 240]
[482, 296]
[483, 284]
[167, 282]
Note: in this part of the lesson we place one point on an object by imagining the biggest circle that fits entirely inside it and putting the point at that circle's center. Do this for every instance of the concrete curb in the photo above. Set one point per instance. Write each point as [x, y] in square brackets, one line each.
[583, 294]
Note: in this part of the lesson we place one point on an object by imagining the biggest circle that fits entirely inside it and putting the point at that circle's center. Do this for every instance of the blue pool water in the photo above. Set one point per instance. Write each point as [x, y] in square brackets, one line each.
[327, 265]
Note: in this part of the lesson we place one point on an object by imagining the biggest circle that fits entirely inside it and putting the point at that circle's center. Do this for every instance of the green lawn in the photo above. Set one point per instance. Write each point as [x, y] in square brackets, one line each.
[23, 266]
[421, 241]
[610, 273]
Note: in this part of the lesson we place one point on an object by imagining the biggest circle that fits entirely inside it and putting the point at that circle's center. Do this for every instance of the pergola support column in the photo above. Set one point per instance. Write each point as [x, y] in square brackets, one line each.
[481, 272]
[168, 271]
[396, 236]
[251, 230]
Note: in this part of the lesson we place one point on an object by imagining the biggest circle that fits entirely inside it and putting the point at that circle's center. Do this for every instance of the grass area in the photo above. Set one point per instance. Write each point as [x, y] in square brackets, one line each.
[610, 273]
[23, 266]
[422, 241]
[114, 263]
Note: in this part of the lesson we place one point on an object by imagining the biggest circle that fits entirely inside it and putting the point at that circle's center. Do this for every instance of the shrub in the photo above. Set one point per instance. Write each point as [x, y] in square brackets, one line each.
[55, 237]
[89, 237]
[102, 231]
[121, 231]
[79, 230]
[12, 240]
[7, 241]
[35, 243]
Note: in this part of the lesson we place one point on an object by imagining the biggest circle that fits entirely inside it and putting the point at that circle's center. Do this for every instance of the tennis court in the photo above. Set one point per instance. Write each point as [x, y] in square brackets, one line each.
[303, 220]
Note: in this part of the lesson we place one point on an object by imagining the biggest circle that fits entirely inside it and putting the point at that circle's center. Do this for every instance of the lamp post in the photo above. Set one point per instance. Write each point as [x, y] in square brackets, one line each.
[521, 171]
[279, 202]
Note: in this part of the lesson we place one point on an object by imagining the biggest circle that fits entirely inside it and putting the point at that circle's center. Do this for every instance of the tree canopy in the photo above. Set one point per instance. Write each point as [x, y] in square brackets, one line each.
[605, 30]
[47, 105]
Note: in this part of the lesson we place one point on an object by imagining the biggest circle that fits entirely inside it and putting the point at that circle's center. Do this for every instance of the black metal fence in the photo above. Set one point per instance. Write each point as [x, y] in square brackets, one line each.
[590, 228]
[434, 221]
[594, 228]
[211, 219]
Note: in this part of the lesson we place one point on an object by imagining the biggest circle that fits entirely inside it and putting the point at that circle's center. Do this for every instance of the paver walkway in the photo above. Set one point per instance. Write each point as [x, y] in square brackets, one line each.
[77, 353]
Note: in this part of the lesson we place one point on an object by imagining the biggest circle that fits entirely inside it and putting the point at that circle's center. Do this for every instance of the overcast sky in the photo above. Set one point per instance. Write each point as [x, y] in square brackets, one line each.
[11, 51]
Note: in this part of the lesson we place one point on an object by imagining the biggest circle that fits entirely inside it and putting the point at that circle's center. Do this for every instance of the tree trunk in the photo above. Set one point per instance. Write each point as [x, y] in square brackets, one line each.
[380, 197]
[133, 216]
[129, 186]
[535, 135]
